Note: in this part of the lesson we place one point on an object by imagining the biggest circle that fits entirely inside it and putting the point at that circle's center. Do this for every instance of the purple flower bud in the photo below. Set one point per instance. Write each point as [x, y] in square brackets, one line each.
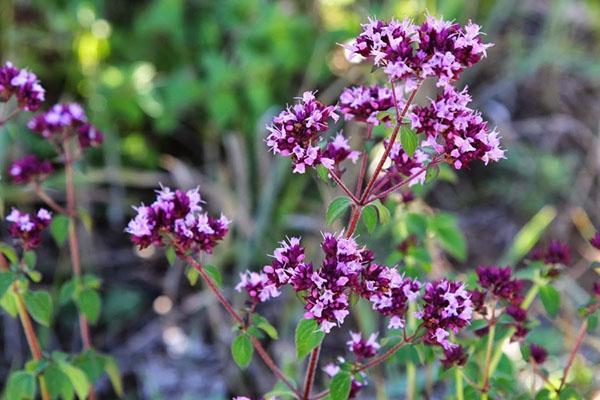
[557, 253]
[22, 84]
[596, 288]
[28, 227]
[29, 168]
[517, 313]
[454, 355]
[363, 348]
[499, 281]
[89, 136]
[538, 353]
[595, 241]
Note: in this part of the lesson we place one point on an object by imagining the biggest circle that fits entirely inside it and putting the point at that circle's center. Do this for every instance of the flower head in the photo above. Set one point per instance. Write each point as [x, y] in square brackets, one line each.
[458, 132]
[362, 348]
[557, 252]
[500, 283]
[29, 168]
[58, 120]
[447, 308]
[22, 84]
[297, 130]
[454, 355]
[89, 136]
[538, 353]
[28, 227]
[364, 103]
[176, 217]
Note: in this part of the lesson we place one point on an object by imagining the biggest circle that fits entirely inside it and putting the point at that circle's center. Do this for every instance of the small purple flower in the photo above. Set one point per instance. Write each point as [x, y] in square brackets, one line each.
[596, 288]
[297, 130]
[89, 136]
[28, 227]
[500, 283]
[595, 241]
[454, 355]
[538, 353]
[557, 252]
[517, 313]
[58, 121]
[447, 308]
[22, 84]
[364, 103]
[176, 216]
[363, 348]
[402, 166]
[412, 52]
[458, 132]
[29, 169]
[339, 150]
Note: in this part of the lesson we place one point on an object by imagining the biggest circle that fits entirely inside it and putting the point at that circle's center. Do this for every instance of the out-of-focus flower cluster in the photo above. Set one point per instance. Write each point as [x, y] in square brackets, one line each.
[27, 228]
[29, 168]
[176, 218]
[348, 270]
[456, 131]
[64, 120]
[502, 289]
[22, 84]
[411, 52]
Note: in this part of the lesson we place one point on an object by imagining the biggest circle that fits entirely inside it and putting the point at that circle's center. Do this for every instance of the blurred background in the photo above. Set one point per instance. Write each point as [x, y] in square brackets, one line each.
[183, 90]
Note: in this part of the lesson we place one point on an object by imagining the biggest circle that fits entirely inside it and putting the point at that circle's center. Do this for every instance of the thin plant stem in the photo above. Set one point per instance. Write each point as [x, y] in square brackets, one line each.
[343, 186]
[383, 357]
[231, 311]
[363, 163]
[84, 326]
[579, 341]
[388, 148]
[10, 115]
[39, 191]
[458, 382]
[311, 371]
[30, 335]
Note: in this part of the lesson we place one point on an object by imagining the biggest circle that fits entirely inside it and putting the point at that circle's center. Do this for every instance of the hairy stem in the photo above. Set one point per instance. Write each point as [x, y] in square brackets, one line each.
[311, 372]
[343, 186]
[579, 341]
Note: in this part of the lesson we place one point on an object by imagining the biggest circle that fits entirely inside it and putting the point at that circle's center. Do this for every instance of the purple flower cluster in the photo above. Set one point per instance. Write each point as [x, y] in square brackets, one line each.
[556, 252]
[29, 168]
[402, 166]
[595, 241]
[22, 84]
[458, 132]
[28, 227]
[339, 150]
[364, 103]
[499, 283]
[389, 292]
[297, 131]
[362, 348]
[538, 353]
[176, 217]
[411, 52]
[64, 120]
[454, 355]
[447, 308]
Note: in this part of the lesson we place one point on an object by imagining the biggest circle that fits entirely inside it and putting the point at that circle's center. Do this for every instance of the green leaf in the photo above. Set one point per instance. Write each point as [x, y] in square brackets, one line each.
[30, 259]
[550, 299]
[241, 350]
[59, 229]
[339, 388]
[9, 252]
[112, 370]
[171, 255]
[91, 281]
[323, 173]
[39, 305]
[265, 325]
[20, 386]
[214, 273]
[529, 235]
[58, 383]
[369, 217]
[77, 378]
[67, 292]
[384, 213]
[308, 336]
[192, 275]
[416, 224]
[6, 279]
[408, 140]
[337, 208]
[449, 235]
[86, 219]
[7, 302]
[91, 363]
[35, 276]
[88, 301]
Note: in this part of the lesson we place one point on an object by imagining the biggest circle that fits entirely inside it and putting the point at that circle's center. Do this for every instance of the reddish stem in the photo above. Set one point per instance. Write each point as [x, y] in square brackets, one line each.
[230, 310]
[363, 163]
[388, 148]
[341, 184]
[310, 374]
[378, 360]
[9, 116]
[49, 201]
[580, 337]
